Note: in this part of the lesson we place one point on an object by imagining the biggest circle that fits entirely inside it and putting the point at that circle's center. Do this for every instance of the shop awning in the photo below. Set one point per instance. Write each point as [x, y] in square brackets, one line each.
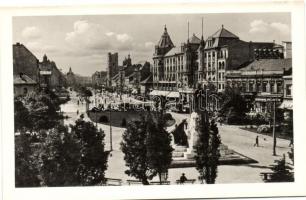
[287, 104]
[159, 93]
[173, 95]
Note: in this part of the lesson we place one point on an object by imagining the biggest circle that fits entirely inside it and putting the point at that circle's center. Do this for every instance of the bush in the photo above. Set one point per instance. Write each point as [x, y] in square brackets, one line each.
[103, 119]
[168, 116]
[123, 123]
[263, 129]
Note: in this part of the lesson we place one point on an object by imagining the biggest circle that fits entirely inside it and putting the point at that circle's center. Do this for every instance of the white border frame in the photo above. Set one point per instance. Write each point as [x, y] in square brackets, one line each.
[154, 192]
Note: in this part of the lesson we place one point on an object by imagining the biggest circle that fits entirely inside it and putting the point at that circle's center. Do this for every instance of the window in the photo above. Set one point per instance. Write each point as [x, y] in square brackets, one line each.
[279, 88]
[219, 86]
[264, 87]
[288, 90]
[258, 88]
[251, 87]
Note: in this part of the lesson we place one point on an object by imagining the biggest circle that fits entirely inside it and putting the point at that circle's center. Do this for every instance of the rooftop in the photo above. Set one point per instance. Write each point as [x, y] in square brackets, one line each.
[269, 65]
[223, 33]
[23, 79]
[165, 40]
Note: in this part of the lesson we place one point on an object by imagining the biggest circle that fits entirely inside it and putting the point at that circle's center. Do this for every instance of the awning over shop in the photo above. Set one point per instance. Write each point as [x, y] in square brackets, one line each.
[287, 104]
[159, 93]
[173, 95]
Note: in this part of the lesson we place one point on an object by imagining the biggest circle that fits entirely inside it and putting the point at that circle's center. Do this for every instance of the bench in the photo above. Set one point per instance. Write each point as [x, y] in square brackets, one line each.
[133, 182]
[160, 183]
[266, 176]
[112, 182]
[187, 181]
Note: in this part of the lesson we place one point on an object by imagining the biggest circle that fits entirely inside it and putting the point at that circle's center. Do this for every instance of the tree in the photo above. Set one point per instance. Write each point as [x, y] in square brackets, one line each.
[281, 171]
[93, 157]
[159, 150]
[134, 147]
[21, 116]
[291, 155]
[207, 149]
[233, 106]
[60, 157]
[26, 172]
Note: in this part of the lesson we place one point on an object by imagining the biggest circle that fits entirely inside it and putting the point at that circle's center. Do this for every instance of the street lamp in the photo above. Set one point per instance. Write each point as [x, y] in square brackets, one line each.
[274, 135]
[110, 128]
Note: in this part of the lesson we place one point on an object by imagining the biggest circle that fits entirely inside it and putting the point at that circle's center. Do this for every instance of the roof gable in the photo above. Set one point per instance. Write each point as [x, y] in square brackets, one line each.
[223, 33]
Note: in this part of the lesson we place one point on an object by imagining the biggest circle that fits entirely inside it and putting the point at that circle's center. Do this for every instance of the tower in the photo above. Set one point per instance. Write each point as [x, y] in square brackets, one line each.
[161, 49]
[112, 67]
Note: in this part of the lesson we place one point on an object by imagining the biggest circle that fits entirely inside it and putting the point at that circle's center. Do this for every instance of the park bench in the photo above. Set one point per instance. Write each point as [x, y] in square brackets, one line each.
[266, 176]
[112, 182]
[160, 183]
[133, 182]
[187, 181]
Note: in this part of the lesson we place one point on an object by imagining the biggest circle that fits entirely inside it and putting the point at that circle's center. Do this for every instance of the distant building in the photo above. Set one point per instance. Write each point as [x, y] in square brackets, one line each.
[130, 75]
[112, 67]
[70, 77]
[51, 76]
[25, 62]
[83, 80]
[287, 49]
[263, 81]
[24, 85]
[99, 78]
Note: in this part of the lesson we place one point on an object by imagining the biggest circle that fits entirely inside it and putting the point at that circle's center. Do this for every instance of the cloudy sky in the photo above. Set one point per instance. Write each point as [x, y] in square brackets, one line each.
[82, 42]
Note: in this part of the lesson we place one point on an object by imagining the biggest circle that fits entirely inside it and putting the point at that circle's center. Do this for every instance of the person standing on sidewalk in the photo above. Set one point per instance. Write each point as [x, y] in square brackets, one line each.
[256, 142]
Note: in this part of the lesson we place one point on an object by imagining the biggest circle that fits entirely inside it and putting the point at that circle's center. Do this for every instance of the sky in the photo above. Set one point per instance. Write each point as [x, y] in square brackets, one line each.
[82, 42]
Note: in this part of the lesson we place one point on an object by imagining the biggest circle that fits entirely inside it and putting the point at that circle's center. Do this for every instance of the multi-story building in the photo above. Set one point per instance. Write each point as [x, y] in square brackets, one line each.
[50, 75]
[25, 62]
[263, 81]
[99, 78]
[70, 76]
[177, 71]
[112, 67]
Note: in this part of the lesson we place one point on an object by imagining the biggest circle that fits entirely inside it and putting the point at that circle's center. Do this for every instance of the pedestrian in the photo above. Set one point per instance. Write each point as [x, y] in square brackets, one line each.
[78, 102]
[291, 142]
[183, 178]
[256, 142]
[77, 112]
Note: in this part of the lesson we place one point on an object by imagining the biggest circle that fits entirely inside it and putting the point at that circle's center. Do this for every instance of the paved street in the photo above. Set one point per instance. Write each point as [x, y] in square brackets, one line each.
[235, 138]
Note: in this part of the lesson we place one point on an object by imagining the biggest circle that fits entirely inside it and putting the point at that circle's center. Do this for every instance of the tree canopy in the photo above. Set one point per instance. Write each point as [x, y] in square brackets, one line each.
[146, 147]
[207, 149]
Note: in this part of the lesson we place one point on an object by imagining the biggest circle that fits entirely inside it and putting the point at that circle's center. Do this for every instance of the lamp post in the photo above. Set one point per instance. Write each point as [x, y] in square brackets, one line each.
[110, 128]
[206, 97]
[274, 135]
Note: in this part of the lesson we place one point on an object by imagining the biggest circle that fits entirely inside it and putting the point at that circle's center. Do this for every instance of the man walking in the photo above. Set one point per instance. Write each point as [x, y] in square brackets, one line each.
[256, 142]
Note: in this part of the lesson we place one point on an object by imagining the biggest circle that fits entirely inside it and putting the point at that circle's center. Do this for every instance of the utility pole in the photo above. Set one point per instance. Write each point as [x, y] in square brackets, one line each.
[274, 135]
[110, 128]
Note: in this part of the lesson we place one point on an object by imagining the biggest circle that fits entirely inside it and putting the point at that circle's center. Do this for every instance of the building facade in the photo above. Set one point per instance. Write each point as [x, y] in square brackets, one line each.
[263, 81]
[199, 63]
[70, 77]
[99, 78]
[50, 75]
[24, 85]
